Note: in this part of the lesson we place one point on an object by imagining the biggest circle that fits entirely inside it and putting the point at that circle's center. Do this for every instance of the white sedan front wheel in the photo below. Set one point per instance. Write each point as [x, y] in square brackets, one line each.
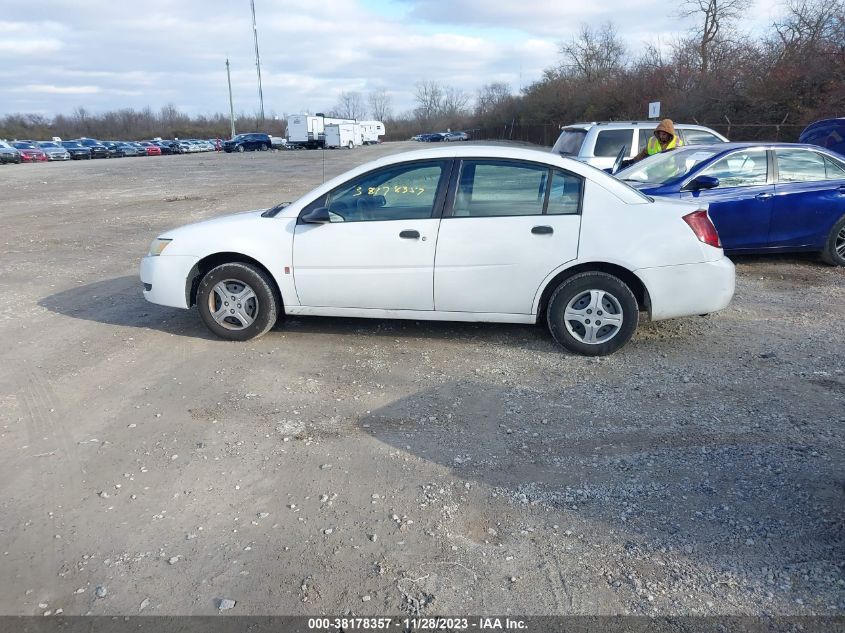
[238, 301]
[592, 313]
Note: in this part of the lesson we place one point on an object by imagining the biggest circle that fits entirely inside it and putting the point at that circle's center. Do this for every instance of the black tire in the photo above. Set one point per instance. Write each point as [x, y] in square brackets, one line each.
[266, 307]
[240, 149]
[617, 301]
[834, 248]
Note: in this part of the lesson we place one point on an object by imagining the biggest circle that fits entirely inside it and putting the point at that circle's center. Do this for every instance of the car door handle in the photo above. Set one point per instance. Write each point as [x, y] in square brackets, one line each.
[542, 230]
[409, 235]
[764, 196]
[841, 189]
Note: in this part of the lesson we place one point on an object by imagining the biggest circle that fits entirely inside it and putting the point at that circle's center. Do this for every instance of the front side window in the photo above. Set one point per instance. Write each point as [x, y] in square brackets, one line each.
[800, 165]
[498, 188]
[740, 169]
[399, 192]
[609, 142]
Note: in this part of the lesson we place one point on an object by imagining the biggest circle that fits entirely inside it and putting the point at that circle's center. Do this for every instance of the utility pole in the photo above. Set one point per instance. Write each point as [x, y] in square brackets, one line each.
[257, 61]
[231, 103]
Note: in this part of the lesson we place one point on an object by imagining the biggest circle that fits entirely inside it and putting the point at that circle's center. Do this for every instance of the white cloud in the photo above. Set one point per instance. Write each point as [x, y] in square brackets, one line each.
[58, 90]
[134, 53]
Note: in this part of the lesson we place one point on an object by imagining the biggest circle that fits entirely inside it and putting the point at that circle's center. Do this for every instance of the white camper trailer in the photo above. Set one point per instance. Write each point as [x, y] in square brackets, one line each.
[370, 131]
[305, 130]
[342, 135]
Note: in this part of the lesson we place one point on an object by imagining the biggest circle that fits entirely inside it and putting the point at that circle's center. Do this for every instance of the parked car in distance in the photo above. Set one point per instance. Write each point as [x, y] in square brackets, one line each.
[277, 142]
[116, 150]
[433, 137]
[140, 150]
[53, 150]
[598, 144]
[828, 133]
[459, 233]
[166, 147]
[76, 150]
[30, 153]
[456, 136]
[98, 150]
[763, 198]
[151, 148]
[248, 142]
[130, 149]
[9, 154]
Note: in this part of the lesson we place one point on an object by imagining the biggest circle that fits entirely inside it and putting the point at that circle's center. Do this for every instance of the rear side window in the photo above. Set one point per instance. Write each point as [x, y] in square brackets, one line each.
[569, 142]
[498, 188]
[800, 165]
[699, 137]
[834, 170]
[565, 194]
[609, 142]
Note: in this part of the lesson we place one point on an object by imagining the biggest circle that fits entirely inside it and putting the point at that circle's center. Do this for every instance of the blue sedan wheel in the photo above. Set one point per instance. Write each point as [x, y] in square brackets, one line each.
[834, 252]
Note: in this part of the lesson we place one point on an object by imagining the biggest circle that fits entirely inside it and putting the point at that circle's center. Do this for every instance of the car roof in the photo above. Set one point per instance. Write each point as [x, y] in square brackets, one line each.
[643, 124]
[733, 145]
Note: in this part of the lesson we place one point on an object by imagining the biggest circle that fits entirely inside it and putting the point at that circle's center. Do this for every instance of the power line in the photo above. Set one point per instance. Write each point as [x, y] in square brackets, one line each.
[257, 61]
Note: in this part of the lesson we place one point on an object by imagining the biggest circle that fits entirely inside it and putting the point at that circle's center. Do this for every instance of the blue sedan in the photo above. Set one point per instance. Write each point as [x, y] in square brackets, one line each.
[763, 198]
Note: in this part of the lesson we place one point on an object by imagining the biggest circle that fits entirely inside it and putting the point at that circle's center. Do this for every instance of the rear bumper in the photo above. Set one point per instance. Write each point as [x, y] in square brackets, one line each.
[689, 289]
[165, 279]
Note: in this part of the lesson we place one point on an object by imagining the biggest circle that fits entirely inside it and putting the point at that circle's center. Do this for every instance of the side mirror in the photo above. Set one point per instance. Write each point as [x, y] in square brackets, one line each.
[702, 182]
[320, 215]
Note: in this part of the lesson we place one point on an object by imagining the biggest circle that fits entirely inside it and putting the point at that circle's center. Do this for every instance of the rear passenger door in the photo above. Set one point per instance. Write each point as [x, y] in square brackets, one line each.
[507, 225]
[809, 197]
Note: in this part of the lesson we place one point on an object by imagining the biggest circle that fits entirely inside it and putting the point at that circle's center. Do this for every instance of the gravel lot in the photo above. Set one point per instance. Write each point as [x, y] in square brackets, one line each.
[394, 467]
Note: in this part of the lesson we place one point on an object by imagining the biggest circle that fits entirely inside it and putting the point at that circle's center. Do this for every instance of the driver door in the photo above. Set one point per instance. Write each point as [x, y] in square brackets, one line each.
[377, 251]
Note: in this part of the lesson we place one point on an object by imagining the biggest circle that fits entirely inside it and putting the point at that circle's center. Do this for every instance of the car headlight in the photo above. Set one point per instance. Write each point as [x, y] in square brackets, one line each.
[158, 246]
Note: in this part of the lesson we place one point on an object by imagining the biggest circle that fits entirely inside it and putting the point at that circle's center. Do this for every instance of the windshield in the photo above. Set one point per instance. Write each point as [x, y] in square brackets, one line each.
[70, 144]
[569, 142]
[47, 144]
[665, 166]
[24, 145]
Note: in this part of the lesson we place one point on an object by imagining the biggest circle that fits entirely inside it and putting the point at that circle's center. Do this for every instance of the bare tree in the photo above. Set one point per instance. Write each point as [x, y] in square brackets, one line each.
[808, 23]
[491, 96]
[454, 102]
[429, 97]
[350, 105]
[595, 55]
[716, 20]
[380, 104]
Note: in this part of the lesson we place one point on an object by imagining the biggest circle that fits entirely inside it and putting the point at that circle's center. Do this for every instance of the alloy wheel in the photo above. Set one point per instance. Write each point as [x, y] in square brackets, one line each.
[593, 316]
[233, 304]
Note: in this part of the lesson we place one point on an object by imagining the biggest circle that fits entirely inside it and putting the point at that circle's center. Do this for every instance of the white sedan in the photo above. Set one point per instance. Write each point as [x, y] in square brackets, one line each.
[463, 233]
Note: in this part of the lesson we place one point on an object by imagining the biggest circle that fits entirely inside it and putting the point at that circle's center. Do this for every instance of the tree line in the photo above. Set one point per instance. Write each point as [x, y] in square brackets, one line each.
[713, 74]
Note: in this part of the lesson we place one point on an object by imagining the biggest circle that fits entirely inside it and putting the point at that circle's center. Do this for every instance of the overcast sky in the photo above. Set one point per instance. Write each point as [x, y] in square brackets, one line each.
[56, 55]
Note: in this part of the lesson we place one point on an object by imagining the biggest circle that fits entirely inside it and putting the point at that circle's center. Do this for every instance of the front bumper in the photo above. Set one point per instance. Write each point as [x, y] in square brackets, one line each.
[689, 289]
[165, 279]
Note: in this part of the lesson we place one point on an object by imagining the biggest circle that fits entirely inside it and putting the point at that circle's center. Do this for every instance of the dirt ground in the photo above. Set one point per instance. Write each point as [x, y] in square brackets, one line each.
[372, 467]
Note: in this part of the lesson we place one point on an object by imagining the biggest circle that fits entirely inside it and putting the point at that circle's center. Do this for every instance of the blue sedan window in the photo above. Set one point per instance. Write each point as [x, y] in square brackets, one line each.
[834, 170]
[800, 165]
[741, 169]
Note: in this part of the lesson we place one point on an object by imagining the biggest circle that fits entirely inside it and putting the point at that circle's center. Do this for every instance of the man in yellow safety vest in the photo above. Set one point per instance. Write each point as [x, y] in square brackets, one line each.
[664, 139]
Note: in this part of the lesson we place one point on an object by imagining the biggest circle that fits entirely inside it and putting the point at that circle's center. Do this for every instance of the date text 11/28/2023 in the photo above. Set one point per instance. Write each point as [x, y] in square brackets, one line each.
[334, 625]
